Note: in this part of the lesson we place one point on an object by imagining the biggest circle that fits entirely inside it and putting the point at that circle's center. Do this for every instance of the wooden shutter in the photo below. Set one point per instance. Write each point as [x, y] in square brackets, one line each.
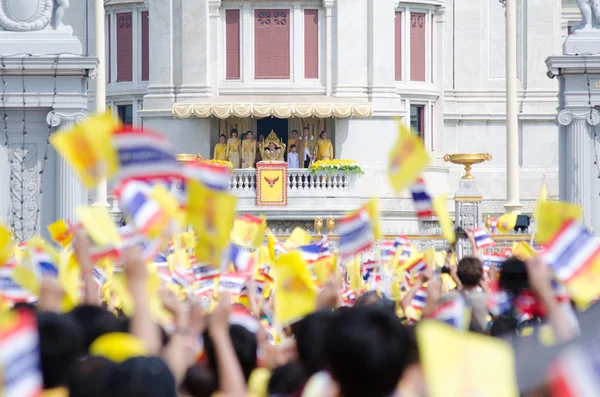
[124, 47]
[432, 42]
[145, 46]
[398, 45]
[109, 47]
[417, 47]
[311, 44]
[232, 44]
[271, 44]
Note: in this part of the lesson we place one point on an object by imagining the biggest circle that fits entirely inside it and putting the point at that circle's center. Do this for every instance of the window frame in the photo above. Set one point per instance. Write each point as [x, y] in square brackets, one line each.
[431, 31]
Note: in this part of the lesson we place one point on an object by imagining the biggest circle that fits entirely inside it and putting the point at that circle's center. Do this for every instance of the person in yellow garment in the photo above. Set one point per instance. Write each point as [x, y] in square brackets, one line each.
[292, 141]
[221, 149]
[324, 147]
[233, 148]
[306, 147]
[248, 150]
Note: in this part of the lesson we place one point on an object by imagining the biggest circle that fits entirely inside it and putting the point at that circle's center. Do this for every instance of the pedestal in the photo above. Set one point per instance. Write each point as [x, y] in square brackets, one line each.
[467, 211]
[70, 192]
[579, 174]
[271, 184]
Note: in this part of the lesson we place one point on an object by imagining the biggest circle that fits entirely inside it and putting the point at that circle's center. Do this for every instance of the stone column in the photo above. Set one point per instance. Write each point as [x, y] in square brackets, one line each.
[579, 179]
[467, 201]
[70, 192]
[195, 54]
[214, 13]
[328, 4]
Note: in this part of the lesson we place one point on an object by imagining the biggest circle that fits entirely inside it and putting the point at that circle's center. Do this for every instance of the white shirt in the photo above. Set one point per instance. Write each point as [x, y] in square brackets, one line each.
[293, 161]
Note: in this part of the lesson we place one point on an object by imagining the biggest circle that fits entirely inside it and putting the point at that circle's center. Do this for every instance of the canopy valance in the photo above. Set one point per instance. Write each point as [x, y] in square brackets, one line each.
[225, 107]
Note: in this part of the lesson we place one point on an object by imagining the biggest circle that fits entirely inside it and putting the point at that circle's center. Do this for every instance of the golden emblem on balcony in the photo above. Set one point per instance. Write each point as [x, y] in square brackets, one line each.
[188, 158]
[468, 159]
[273, 148]
[271, 181]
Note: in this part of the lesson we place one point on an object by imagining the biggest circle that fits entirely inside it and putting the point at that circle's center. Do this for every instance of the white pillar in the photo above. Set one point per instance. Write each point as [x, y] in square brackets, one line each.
[195, 44]
[512, 121]
[100, 93]
[70, 192]
[328, 46]
[580, 177]
[214, 12]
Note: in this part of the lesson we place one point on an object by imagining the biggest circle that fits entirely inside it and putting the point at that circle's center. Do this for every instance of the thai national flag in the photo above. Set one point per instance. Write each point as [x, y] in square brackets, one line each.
[161, 264]
[9, 289]
[422, 199]
[576, 371]
[493, 225]
[400, 241]
[356, 234]
[20, 357]
[146, 214]
[482, 239]
[145, 156]
[232, 282]
[492, 260]
[415, 270]
[572, 250]
[452, 312]
[418, 302]
[202, 272]
[42, 263]
[387, 251]
[211, 176]
[242, 258]
[100, 277]
[313, 252]
[499, 301]
[205, 288]
[242, 317]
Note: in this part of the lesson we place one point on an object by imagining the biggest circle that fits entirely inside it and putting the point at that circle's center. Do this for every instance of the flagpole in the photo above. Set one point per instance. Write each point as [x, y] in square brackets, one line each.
[536, 214]
[100, 89]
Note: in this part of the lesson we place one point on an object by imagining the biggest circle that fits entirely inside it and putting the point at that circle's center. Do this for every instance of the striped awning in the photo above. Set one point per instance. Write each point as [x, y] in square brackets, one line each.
[223, 107]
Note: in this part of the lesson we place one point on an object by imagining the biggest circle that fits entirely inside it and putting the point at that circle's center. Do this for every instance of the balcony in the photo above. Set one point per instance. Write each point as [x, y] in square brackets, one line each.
[308, 196]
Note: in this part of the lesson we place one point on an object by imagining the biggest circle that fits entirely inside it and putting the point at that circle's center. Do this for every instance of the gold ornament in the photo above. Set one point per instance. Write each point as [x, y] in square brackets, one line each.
[468, 159]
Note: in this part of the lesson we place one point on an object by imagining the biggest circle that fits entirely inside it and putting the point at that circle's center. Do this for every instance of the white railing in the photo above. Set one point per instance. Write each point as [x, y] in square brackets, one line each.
[300, 183]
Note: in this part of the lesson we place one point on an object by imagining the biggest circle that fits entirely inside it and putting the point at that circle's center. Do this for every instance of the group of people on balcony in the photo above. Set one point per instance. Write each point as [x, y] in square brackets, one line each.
[301, 150]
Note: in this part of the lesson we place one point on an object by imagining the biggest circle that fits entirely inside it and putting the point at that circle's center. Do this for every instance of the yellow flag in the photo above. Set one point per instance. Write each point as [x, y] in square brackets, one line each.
[408, 159]
[60, 233]
[523, 251]
[211, 214]
[585, 287]
[295, 290]
[248, 231]
[174, 216]
[69, 274]
[99, 225]
[88, 149]
[299, 237]
[272, 242]
[465, 364]
[354, 278]
[539, 201]
[27, 279]
[552, 216]
[325, 267]
[118, 347]
[507, 222]
[158, 312]
[6, 245]
[441, 210]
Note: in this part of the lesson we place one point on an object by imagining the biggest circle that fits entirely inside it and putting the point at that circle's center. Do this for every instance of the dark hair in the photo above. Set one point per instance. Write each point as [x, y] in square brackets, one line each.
[321, 133]
[88, 378]
[373, 298]
[141, 377]
[222, 136]
[503, 325]
[469, 271]
[306, 128]
[60, 345]
[198, 382]
[287, 379]
[296, 131]
[94, 322]
[310, 333]
[249, 132]
[513, 277]
[245, 346]
[234, 131]
[293, 146]
[366, 350]
[412, 357]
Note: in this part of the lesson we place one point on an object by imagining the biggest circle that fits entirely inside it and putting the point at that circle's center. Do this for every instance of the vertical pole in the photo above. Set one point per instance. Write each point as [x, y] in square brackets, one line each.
[512, 121]
[100, 92]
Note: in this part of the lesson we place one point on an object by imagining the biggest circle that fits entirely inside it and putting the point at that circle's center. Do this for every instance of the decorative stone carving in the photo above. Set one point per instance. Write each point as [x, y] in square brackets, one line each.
[24, 190]
[55, 119]
[33, 15]
[590, 16]
[287, 227]
[566, 116]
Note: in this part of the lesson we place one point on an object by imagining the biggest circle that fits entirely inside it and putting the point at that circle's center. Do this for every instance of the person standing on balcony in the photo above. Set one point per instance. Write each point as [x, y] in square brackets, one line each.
[221, 149]
[259, 148]
[248, 150]
[292, 160]
[292, 141]
[306, 147]
[324, 147]
[233, 149]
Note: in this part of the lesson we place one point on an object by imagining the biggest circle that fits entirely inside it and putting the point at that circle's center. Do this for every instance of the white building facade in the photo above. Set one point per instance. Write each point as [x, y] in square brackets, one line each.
[194, 69]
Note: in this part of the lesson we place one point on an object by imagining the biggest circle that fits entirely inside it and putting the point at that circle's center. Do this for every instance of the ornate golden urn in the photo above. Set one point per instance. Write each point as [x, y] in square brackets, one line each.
[330, 224]
[467, 159]
[318, 225]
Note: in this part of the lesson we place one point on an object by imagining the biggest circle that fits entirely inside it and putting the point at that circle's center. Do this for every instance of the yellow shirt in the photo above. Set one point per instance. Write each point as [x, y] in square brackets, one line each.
[233, 145]
[220, 151]
[324, 149]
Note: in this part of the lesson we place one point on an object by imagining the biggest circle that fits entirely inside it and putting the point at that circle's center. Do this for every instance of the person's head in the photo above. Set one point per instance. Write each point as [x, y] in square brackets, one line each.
[222, 138]
[323, 134]
[249, 135]
[233, 133]
[94, 322]
[244, 344]
[513, 276]
[469, 272]
[141, 377]
[293, 148]
[367, 351]
[287, 379]
[198, 382]
[310, 333]
[375, 298]
[294, 134]
[413, 376]
[61, 343]
[272, 146]
[261, 138]
[89, 377]
[306, 131]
